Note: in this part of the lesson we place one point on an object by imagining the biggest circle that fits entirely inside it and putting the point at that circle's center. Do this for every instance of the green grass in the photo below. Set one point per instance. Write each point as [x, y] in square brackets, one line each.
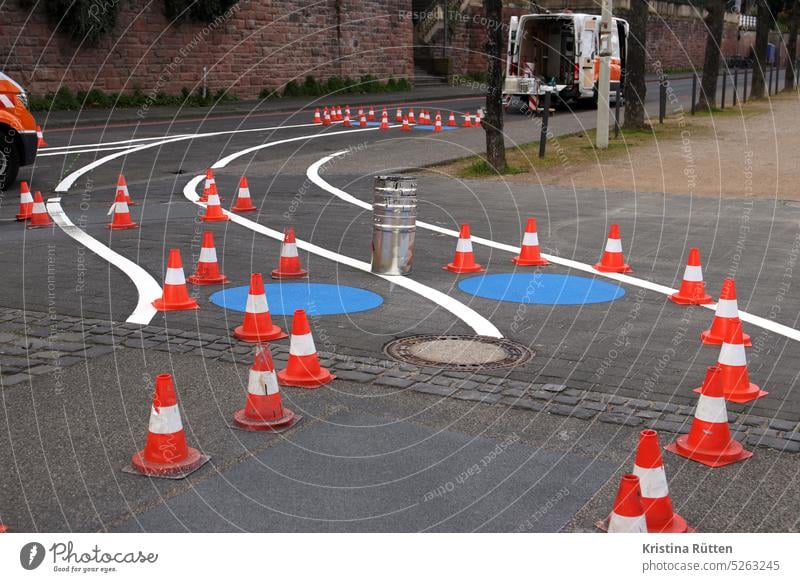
[480, 168]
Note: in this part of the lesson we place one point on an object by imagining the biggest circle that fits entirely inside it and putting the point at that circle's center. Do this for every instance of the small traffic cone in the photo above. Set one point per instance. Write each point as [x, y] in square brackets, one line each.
[477, 118]
[733, 374]
[529, 253]
[166, 453]
[40, 135]
[726, 315]
[339, 116]
[264, 409]
[405, 126]
[25, 202]
[411, 118]
[122, 215]
[122, 186]
[467, 120]
[243, 201]
[371, 114]
[438, 125]
[693, 290]
[257, 325]
[346, 122]
[627, 516]
[709, 440]
[207, 266]
[214, 211]
[384, 123]
[362, 122]
[347, 110]
[302, 368]
[3, 528]
[451, 121]
[398, 116]
[176, 295]
[326, 117]
[210, 186]
[289, 264]
[360, 112]
[613, 260]
[385, 113]
[423, 117]
[39, 217]
[464, 259]
[317, 116]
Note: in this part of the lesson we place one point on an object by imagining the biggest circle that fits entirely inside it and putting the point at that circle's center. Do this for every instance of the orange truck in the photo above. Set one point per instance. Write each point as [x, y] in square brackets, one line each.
[18, 142]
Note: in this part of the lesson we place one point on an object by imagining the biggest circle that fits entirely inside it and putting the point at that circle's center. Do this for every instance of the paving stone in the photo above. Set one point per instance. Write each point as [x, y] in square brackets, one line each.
[196, 343]
[675, 418]
[541, 395]
[433, 389]
[456, 374]
[595, 406]
[67, 347]
[579, 412]
[7, 337]
[477, 396]
[67, 361]
[42, 369]
[12, 351]
[792, 436]
[140, 344]
[593, 396]
[783, 425]
[554, 387]
[752, 420]
[661, 425]
[97, 351]
[495, 381]
[517, 392]
[107, 340]
[179, 349]
[468, 385]
[14, 379]
[624, 419]
[647, 414]
[528, 404]
[354, 376]
[123, 331]
[564, 399]
[774, 443]
[242, 350]
[759, 431]
[638, 403]
[371, 369]
[442, 381]
[491, 388]
[663, 406]
[230, 358]
[206, 337]
[99, 329]
[14, 361]
[393, 382]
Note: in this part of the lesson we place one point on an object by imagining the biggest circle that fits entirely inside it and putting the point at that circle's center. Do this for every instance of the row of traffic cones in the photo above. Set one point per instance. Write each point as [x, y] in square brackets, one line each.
[529, 256]
[32, 209]
[334, 114]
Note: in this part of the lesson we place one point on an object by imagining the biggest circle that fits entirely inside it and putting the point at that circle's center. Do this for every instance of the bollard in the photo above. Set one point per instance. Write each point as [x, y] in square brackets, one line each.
[662, 100]
[394, 223]
[694, 93]
[616, 111]
[545, 121]
[724, 86]
[735, 87]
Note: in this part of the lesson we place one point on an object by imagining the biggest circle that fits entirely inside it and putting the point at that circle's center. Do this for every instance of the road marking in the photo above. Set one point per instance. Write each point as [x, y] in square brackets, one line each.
[127, 142]
[313, 174]
[147, 287]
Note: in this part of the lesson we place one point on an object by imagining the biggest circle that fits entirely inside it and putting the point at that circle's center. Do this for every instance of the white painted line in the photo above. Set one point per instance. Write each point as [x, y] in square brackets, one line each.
[125, 142]
[147, 287]
[313, 175]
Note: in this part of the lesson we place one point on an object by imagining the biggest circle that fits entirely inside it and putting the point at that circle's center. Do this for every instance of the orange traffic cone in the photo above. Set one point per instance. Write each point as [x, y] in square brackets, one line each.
[25, 202]
[317, 116]
[347, 110]
[398, 116]
[346, 122]
[371, 114]
[725, 317]
[438, 125]
[709, 440]
[362, 121]
[405, 126]
[264, 407]
[214, 211]
[41, 143]
[384, 123]
[257, 325]
[166, 453]
[529, 254]
[693, 290]
[3, 528]
[451, 121]
[243, 201]
[176, 295]
[411, 118]
[210, 186]
[733, 374]
[122, 215]
[467, 120]
[628, 513]
[326, 117]
[122, 186]
[613, 260]
[477, 118]
[423, 117]
[289, 265]
[302, 368]
[339, 116]
[39, 217]
[464, 259]
[207, 266]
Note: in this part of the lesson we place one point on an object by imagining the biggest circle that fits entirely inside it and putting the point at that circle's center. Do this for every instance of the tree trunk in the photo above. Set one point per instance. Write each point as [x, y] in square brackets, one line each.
[493, 121]
[715, 20]
[791, 49]
[635, 85]
[764, 19]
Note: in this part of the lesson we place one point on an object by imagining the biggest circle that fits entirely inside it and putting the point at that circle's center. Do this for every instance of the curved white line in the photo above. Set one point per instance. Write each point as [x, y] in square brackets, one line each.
[111, 143]
[147, 287]
[313, 174]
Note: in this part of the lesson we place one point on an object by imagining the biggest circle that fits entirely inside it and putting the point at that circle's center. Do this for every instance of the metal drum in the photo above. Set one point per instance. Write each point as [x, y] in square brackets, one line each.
[394, 222]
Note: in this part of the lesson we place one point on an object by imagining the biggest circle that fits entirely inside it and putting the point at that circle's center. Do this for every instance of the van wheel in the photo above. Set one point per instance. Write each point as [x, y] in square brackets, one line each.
[9, 160]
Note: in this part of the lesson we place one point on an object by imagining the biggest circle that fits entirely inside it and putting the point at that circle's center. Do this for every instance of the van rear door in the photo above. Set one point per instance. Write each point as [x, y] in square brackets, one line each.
[588, 51]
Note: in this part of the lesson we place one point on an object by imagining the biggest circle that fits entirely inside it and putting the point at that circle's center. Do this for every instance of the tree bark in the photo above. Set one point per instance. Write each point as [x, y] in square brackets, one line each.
[635, 82]
[791, 49]
[492, 123]
[715, 21]
[763, 22]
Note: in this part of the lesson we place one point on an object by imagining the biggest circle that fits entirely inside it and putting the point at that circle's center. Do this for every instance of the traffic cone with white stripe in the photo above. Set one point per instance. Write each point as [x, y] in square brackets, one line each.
[477, 118]
[210, 185]
[25, 202]
[423, 117]
[347, 110]
[264, 410]
[302, 368]
[467, 120]
[725, 317]
[398, 116]
[122, 186]
[207, 266]
[733, 373]
[176, 294]
[326, 117]
[122, 215]
[693, 290]
[405, 126]
[628, 513]
[257, 325]
[709, 440]
[411, 118]
[613, 261]
[529, 253]
[371, 114]
[243, 201]
[40, 135]
[437, 127]
[384, 123]
[362, 121]
[166, 453]
[339, 116]
[346, 122]
[214, 211]
[289, 264]
[39, 217]
[464, 259]
[317, 116]
[451, 121]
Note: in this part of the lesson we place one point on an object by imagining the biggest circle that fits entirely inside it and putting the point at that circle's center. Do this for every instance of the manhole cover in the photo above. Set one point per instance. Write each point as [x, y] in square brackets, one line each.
[458, 352]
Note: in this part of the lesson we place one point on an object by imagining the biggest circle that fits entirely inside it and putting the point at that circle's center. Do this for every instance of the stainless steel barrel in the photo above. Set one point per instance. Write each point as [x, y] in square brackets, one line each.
[394, 222]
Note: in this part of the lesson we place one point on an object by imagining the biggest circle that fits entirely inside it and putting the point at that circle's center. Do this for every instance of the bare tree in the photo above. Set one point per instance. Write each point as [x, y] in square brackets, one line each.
[763, 21]
[715, 21]
[635, 61]
[493, 121]
[793, 12]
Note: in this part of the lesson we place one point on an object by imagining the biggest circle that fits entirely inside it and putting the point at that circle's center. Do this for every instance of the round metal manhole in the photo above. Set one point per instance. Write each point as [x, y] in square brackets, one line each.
[458, 352]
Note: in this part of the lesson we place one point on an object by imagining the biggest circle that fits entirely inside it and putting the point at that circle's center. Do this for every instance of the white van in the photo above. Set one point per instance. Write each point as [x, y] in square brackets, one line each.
[560, 51]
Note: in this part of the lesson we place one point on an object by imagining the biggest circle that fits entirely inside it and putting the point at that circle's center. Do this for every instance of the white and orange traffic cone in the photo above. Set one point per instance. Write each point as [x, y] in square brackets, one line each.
[529, 254]
[405, 126]
[40, 136]
[411, 118]
[303, 369]
[423, 117]
[326, 117]
[166, 453]
[175, 296]
[477, 118]
[627, 516]
[467, 120]
[347, 110]
[25, 202]
[214, 212]
[371, 114]
[339, 116]
[693, 290]
[317, 116]
[709, 440]
[733, 374]
[360, 112]
[613, 261]
[39, 217]
[346, 122]
[208, 272]
[362, 121]
[122, 186]
[384, 123]
[464, 259]
[451, 121]
[257, 325]
[725, 317]
[243, 201]
[437, 127]
[264, 410]
[122, 214]
[398, 116]
[210, 185]
[289, 264]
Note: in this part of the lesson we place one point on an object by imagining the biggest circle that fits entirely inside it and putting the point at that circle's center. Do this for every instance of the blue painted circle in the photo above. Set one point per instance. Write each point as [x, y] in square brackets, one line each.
[541, 288]
[315, 298]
